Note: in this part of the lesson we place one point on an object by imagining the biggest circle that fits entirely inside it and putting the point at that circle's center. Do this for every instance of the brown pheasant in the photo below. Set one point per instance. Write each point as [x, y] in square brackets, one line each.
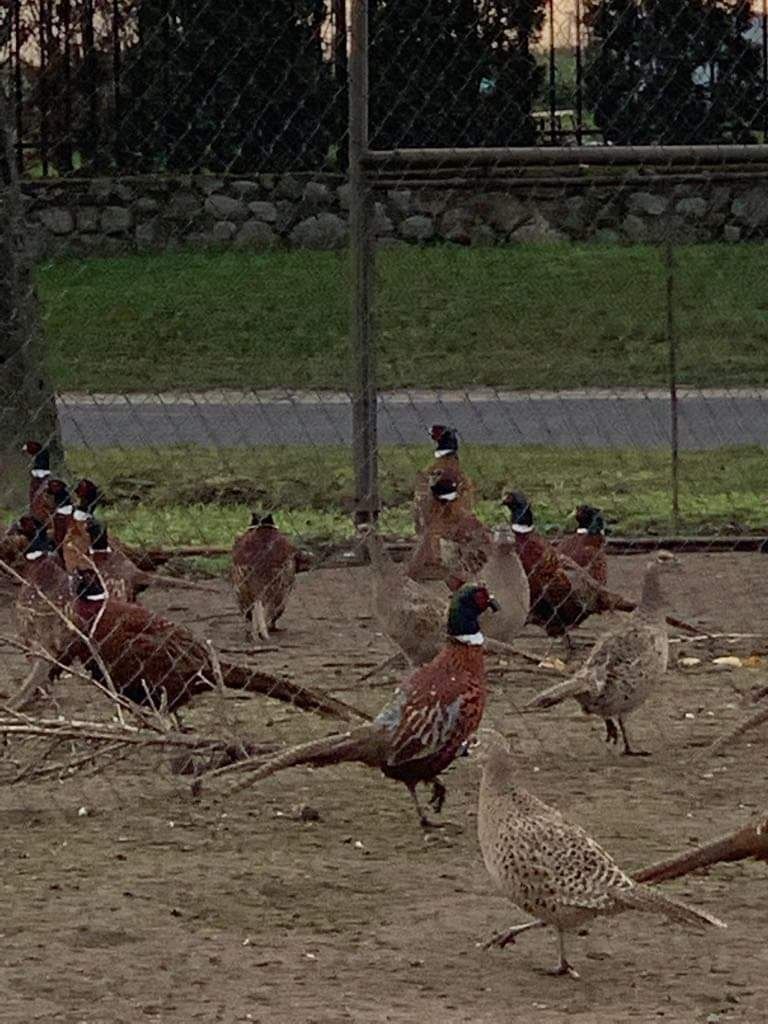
[264, 567]
[38, 625]
[153, 661]
[405, 611]
[40, 504]
[426, 565]
[586, 547]
[445, 518]
[563, 594]
[551, 868]
[120, 575]
[428, 723]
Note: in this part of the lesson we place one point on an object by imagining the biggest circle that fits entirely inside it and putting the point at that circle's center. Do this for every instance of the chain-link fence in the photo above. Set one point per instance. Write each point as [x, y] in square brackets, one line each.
[266, 265]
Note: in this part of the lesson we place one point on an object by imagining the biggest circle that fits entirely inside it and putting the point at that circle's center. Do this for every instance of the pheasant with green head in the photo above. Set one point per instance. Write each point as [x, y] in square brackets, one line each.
[430, 720]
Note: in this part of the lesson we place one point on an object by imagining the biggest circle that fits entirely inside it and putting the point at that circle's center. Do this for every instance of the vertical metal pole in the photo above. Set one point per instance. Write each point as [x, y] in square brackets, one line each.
[579, 78]
[364, 440]
[669, 261]
[765, 70]
[552, 76]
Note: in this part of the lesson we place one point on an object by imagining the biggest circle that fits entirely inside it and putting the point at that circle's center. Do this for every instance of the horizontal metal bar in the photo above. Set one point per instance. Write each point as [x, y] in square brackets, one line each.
[385, 183]
[387, 159]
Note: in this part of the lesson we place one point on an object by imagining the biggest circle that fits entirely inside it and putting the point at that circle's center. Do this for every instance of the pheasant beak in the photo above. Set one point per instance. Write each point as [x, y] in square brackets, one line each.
[494, 605]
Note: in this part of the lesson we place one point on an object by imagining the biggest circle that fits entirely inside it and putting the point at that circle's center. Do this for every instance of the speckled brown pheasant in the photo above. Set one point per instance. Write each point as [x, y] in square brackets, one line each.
[626, 665]
[551, 868]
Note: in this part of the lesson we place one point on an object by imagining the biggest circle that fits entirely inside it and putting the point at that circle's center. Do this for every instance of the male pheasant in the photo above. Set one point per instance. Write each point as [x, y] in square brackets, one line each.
[40, 505]
[264, 566]
[586, 547]
[120, 575]
[447, 518]
[461, 496]
[40, 626]
[153, 661]
[429, 722]
[551, 868]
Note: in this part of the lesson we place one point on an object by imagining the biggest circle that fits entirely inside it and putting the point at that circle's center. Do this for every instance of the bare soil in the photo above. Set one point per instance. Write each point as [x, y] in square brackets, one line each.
[152, 906]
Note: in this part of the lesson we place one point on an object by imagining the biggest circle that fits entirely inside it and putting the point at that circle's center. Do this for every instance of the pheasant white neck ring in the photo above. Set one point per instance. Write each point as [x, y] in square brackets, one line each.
[65, 510]
[32, 556]
[80, 516]
[450, 496]
[521, 528]
[40, 474]
[96, 597]
[442, 452]
[471, 639]
[582, 529]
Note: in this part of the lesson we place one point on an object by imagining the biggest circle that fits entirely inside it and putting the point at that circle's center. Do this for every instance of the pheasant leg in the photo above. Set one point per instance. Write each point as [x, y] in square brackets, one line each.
[426, 823]
[509, 935]
[563, 966]
[611, 732]
[628, 751]
[437, 800]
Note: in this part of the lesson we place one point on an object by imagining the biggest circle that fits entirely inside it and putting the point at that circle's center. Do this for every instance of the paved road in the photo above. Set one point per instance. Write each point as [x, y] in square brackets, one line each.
[570, 420]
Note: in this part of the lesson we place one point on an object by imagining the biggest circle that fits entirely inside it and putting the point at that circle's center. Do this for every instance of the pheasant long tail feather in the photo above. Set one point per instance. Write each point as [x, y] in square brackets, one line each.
[747, 842]
[358, 745]
[559, 692]
[640, 897]
[149, 579]
[238, 677]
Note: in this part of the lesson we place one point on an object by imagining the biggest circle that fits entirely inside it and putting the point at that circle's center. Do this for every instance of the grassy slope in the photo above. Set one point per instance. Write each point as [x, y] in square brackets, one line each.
[525, 317]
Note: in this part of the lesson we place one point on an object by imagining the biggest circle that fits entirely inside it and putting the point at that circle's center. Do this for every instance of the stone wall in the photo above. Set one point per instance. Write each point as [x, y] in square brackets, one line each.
[106, 217]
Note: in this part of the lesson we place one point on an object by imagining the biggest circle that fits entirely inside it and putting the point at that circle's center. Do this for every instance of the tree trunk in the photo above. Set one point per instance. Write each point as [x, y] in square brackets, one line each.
[27, 401]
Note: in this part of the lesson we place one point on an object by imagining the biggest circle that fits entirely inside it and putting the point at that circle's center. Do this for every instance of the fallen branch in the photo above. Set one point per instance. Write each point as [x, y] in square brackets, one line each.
[752, 722]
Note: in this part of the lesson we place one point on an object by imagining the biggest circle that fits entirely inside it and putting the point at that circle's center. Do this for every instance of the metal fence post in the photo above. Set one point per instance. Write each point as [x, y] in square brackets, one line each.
[364, 443]
[669, 262]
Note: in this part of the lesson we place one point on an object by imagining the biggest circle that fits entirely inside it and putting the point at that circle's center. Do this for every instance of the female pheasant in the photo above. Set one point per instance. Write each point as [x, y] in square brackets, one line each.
[429, 722]
[549, 867]
[625, 665]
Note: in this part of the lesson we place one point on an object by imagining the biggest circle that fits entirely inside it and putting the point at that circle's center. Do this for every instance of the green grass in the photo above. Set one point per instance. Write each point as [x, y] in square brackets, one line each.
[531, 316]
[197, 495]
[190, 495]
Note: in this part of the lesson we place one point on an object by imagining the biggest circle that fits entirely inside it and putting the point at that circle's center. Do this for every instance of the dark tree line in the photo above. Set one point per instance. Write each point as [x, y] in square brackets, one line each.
[149, 85]
[674, 71]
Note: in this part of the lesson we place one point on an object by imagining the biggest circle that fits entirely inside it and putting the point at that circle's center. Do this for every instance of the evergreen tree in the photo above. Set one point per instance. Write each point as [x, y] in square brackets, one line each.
[672, 71]
[229, 85]
[453, 72]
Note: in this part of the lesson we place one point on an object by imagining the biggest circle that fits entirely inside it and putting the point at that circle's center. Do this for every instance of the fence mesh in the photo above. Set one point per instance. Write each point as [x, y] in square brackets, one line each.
[590, 322]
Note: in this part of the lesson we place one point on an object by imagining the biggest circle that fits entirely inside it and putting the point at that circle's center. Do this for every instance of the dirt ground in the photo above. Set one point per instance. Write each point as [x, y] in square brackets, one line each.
[152, 906]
